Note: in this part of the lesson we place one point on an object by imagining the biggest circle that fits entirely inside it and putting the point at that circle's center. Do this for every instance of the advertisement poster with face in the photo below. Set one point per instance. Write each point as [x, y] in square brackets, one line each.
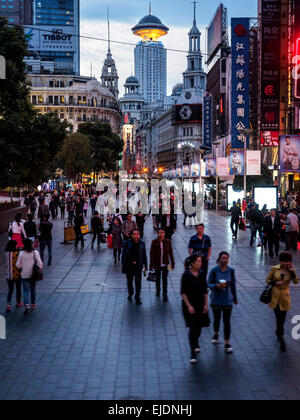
[211, 169]
[237, 162]
[270, 139]
[195, 170]
[290, 154]
[186, 171]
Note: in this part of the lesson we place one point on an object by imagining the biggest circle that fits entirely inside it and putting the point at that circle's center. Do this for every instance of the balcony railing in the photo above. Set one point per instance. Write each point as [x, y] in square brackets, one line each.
[78, 105]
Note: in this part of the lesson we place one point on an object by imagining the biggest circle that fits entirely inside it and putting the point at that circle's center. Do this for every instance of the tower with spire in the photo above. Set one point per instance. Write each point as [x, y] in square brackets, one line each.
[109, 76]
[150, 58]
[194, 77]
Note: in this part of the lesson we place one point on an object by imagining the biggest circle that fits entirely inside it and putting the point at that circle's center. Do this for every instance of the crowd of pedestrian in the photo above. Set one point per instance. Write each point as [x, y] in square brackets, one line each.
[201, 285]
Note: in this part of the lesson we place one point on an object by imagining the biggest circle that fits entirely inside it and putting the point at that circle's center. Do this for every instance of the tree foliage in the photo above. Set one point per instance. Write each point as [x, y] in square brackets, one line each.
[105, 146]
[75, 156]
[266, 179]
[28, 141]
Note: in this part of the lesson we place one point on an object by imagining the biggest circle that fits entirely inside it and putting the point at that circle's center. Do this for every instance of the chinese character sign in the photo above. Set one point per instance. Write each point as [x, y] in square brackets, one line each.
[207, 123]
[290, 154]
[240, 97]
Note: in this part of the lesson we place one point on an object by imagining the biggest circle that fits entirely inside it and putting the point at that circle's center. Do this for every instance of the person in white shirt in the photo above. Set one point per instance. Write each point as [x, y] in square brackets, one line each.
[26, 261]
[292, 229]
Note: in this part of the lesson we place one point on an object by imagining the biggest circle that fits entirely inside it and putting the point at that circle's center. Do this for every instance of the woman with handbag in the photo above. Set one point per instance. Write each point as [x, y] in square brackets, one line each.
[281, 277]
[27, 260]
[222, 283]
[194, 302]
[117, 243]
[17, 232]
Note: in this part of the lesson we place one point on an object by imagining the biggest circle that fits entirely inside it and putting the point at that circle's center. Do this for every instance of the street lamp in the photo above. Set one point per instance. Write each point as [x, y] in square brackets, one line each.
[217, 144]
[244, 133]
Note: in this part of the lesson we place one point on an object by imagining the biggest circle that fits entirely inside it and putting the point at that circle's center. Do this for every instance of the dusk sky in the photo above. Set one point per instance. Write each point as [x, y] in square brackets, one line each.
[177, 14]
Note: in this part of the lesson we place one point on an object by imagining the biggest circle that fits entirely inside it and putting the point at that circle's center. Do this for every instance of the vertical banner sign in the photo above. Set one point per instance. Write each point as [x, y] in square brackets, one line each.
[253, 162]
[270, 83]
[240, 97]
[207, 124]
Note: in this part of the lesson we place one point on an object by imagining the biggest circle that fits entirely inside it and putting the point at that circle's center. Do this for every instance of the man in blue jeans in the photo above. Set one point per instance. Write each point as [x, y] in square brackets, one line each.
[45, 230]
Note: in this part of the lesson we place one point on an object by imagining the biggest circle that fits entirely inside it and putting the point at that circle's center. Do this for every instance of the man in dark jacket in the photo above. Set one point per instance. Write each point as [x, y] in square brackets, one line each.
[45, 238]
[79, 222]
[97, 228]
[236, 213]
[169, 224]
[272, 228]
[256, 222]
[161, 256]
[134, 259]
[43, 210]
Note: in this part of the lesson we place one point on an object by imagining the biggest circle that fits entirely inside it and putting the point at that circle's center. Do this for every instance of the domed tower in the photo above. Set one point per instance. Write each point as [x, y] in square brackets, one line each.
[109, 76]
[151, 58]
[132, 102]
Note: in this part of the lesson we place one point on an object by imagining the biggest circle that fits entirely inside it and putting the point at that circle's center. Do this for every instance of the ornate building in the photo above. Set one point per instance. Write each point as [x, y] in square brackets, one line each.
[76, 99]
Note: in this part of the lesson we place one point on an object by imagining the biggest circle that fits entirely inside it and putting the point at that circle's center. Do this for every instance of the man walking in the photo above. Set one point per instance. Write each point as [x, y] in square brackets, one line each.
[236, 213]
[97, 228]
[272, 227]
[43, 210]
[201, 244]
[161, 256]
[45, 230]
[134, 259]
[79, 222]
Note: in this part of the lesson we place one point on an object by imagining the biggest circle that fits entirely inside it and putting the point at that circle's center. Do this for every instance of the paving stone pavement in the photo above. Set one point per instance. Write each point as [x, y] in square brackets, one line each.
[87, 342]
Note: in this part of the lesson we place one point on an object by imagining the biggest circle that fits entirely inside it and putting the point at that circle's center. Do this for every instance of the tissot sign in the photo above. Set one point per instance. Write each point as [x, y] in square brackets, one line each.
[47, 38]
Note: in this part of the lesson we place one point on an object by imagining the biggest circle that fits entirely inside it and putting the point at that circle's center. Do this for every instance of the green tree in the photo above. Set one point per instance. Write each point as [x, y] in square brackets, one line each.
[28, 141]
[266, 179]
[105, 146]
[75, 156]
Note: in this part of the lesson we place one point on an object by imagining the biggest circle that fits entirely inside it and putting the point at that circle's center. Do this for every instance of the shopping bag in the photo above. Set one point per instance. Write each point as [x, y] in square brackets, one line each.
[110, 241]
[85, 229]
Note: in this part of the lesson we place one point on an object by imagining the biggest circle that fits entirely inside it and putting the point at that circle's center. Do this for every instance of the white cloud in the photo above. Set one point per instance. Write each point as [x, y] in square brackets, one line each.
[95, 51]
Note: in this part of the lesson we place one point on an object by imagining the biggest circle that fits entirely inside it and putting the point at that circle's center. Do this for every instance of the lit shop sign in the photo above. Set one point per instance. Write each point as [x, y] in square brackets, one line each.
[186, 144]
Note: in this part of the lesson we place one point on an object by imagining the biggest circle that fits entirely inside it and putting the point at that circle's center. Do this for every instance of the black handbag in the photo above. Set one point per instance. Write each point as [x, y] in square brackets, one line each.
[152, 277]
[37, 274]
[266, 296]
[205, 321]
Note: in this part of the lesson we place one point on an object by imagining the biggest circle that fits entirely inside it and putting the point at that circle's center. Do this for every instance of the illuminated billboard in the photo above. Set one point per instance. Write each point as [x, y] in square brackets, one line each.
[266, 196]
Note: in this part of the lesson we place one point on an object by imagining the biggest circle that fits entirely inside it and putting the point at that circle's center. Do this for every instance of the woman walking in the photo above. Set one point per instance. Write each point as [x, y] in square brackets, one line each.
[17, 232]
[13, 275]
[62, 206]
[26, 261]
[281, 277]
[116, 230]
[194, 302]
[222, 283]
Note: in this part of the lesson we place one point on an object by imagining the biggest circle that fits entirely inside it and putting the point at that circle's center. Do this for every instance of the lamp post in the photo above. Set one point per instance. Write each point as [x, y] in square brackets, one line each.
[217, 144]
[244, 133]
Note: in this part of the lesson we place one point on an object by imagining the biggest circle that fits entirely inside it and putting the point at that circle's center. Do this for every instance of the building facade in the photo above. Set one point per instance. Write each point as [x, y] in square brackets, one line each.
[54, 36]
[17, 12]
[150, 58]
[75, 99]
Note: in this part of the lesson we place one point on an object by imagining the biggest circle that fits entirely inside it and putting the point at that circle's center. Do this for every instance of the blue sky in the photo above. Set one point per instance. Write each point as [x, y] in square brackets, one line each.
[172, 12]
[124, 14]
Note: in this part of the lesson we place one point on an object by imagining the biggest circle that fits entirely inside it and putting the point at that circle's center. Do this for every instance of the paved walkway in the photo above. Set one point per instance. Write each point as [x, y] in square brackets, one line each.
[86, 342]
